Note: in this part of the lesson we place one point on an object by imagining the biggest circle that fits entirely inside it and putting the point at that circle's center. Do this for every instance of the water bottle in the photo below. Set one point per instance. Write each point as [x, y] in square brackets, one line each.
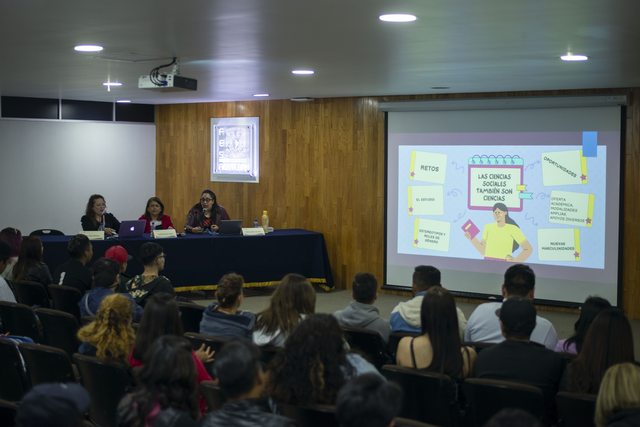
[265, 221]
[256, 224]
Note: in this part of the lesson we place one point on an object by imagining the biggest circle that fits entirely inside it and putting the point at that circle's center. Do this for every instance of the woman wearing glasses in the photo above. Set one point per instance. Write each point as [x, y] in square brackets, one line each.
[205, 215]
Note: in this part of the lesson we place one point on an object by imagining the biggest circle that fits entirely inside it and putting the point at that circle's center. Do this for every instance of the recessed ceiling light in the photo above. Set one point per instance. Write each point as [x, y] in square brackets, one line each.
[397, 17]
[109, 84]
[572, 57]
[123, 101]
[88, 48]
[303, 72]
[261, 95]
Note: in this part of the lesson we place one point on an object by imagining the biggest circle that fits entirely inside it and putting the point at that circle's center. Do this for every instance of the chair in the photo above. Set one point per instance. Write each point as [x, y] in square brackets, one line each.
[369, 343]
[59, 329]
[20, 319]
[65, 298]
[576, 409]
[428, 396]
[395, 337]
[31, 293]
[8, 411]
[197, 340]
[14, 383]
[46, 364]
[191, 315]
[106, 383]
[212, 395]
[46, 232]
[487, 396]
[311, 415]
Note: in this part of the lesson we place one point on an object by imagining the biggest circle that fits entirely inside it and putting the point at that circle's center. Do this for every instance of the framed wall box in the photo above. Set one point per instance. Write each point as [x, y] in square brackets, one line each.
[235, 149]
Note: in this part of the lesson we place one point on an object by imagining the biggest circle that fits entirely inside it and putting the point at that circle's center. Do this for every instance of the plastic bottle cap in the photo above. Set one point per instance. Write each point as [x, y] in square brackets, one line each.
[264, 212]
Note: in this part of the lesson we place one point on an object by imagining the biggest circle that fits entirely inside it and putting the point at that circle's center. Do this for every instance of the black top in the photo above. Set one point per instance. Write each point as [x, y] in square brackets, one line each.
[110, 221]
[73, 273]
[245, 413]
[141, 291]
[39, 273]
[625, 418]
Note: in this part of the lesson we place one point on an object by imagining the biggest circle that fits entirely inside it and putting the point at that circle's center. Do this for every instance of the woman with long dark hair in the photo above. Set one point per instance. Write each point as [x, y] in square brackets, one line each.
[314, 364]
[439, 348]
[293, 299]
[155, 216]
[167, 389]
[502, 238]
[96, 217]
[12, 237]
[588, 311]
[30, 265]
[205, 215]
[608, 341]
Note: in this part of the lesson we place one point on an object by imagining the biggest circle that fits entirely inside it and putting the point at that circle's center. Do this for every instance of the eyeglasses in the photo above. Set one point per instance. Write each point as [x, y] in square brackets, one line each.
[206, 199]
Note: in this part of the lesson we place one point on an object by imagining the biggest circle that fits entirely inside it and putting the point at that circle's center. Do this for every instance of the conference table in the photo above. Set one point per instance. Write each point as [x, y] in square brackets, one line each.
[197, 261]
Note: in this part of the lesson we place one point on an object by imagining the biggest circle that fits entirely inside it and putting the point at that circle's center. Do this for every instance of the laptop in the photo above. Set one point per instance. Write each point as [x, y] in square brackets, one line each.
[132, 228]
[230, 227]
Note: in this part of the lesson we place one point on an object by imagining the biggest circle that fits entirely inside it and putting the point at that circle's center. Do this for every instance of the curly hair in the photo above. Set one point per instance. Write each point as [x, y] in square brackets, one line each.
[293, 297]
[313, 366]
[111, 332]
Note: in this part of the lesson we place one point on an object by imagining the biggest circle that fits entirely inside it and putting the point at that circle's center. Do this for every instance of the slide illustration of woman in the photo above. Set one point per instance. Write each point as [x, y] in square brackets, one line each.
[502, 238]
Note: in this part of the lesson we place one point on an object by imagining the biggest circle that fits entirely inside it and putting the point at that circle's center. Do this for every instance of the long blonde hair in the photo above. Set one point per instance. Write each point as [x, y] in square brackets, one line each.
[111, 332]
[619, 390]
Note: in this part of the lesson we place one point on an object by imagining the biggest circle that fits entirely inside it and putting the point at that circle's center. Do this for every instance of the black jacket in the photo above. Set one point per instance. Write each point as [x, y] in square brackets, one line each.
[245, 413]
[110, 221]
[626, 418]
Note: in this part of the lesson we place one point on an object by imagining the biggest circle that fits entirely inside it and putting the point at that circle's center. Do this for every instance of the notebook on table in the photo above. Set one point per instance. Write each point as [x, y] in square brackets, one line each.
[133, 228]
[230, 226]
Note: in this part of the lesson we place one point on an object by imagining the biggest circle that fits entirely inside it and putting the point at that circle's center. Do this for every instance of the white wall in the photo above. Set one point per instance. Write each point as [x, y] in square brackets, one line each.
[49, 168]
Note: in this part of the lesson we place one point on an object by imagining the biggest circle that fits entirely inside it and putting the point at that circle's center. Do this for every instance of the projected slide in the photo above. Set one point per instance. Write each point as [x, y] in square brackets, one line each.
[539, 204]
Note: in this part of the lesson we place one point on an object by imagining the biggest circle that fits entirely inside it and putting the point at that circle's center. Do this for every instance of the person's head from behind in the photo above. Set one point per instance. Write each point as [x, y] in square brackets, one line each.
[512, 417]
[80, 248]
[439, 320]
[293, 298]
[588, 312]
[425, 277]
[118, 254]
[106, 273]
[53, 405]
[152, 255]
[161, 317]
[312, 366]
[368, 401]
[619, 391]
[13, 237]
[30, 255]
[229, 291]
[5, 254]
[364, 288]
[154, 208]
[239, 370]
[519, 280]
[111, 332]
[517, 318]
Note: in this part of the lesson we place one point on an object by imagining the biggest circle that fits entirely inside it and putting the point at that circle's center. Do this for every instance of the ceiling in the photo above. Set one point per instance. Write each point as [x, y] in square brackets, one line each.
[237, 48]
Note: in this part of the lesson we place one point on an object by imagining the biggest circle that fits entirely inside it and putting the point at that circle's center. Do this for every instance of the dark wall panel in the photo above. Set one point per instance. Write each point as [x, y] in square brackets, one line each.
[87, 110]
[29, 108]
[144, 113]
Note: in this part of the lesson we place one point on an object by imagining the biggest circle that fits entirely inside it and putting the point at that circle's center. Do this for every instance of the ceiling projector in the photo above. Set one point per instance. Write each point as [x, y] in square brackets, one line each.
[168, 82]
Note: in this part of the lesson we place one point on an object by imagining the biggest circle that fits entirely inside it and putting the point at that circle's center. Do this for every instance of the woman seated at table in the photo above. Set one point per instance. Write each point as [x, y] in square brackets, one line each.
[30, 266]
[155, 216]
[205, 215]
[96, 218]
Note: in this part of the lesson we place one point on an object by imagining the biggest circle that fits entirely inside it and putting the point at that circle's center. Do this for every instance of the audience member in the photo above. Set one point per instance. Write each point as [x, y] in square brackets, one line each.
[6, 294]
[53, 405]
[150, 282]
[438, 349]
[167, 390]
[30, 266]
[361, 313]
[512, 417]
[405, 317]
[74, 272]
[105, 281]
[242, 380]
[162, 317]
[618, 402]
[13, 237]
[110, 336]
[224, 317]
[518, 358]
[206, 215]
[588, 311]
[155, 217]
[314, 363]
[608, 341]
[96, 217]
[120, 255]
[483, 325]
[368, 401]
[293, 299]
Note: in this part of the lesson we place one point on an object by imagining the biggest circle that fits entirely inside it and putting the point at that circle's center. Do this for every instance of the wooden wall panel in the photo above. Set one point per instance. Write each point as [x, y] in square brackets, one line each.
[322, 168]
